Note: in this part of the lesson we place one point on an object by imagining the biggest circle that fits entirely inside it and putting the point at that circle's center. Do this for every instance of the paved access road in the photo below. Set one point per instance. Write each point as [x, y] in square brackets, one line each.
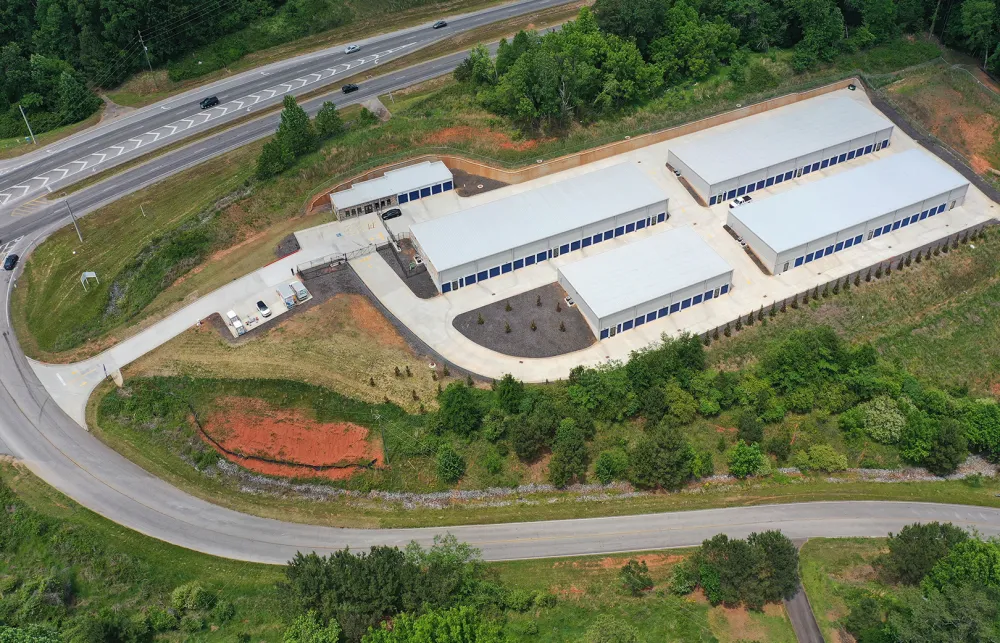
[55, 448]
[124, 138]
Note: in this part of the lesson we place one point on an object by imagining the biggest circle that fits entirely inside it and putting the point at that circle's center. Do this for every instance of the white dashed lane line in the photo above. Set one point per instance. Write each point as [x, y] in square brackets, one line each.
[39, 182]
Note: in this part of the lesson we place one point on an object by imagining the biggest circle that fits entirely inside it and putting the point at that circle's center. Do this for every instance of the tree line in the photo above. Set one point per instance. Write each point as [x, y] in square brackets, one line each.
[624, 52]
[668, 387]
[52, 51]
[949, 584]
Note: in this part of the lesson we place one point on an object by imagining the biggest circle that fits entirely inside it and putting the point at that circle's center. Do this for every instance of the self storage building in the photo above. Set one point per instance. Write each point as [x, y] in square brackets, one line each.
[627, 287]
[776, 146]
[404, 185]
[797, 227]
[509, 234]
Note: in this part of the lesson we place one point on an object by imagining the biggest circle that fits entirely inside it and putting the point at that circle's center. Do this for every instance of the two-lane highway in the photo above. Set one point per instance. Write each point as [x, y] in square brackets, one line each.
[63, 163]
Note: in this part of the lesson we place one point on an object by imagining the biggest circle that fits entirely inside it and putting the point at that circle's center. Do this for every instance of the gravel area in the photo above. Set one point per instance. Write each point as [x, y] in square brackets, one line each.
[468, 184]
[419, 282]
[287, 246]
[547, 340]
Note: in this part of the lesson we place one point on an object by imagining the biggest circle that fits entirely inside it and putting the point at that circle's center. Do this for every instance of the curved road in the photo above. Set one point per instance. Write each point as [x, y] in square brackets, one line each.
[35, 430]
[54, 447]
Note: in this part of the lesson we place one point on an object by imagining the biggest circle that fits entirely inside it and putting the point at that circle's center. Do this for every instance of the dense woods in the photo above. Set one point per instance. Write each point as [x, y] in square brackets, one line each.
[624, 52]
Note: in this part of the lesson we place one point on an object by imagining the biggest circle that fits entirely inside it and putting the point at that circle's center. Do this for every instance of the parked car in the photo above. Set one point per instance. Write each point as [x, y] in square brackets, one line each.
[439, 24]
[740, 200]
[350, 49]
[10, 262]
[234, 319]
[392, 214]
[348, 88]
[263, 309]
[211, 101]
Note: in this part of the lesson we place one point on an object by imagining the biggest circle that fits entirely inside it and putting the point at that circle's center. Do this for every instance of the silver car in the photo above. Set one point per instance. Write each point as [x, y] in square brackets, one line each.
[263, 309]
[350, 49]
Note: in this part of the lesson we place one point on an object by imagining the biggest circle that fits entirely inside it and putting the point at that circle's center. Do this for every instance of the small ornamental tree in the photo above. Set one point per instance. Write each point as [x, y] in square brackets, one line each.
[328, 121]
[635, 577]
[745, 460]
[449, 464]
[569, 455]
[915, 550]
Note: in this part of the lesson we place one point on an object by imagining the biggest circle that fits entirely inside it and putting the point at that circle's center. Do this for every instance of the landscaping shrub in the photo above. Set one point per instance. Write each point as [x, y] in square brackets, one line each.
[635, 577]
[611, 465]
[745, 460]
[449, 464]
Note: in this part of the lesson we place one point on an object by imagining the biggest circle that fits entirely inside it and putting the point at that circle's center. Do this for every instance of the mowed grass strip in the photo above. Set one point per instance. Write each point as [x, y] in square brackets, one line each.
[589, 586]
[51, 310]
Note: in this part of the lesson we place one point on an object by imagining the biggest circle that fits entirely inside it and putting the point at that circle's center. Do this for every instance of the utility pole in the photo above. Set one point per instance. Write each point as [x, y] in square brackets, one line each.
[25, 117]
[145, 50]
[72, 216]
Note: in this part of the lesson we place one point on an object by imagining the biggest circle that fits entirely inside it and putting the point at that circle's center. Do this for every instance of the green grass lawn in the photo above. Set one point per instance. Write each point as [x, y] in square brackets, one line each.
[938, 320]
[113, 568]
[831, 566]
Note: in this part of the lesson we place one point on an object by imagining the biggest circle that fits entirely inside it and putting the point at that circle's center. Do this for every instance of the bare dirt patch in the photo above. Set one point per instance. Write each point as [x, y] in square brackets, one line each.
[286, 442]
[471, 184]
[737, 623]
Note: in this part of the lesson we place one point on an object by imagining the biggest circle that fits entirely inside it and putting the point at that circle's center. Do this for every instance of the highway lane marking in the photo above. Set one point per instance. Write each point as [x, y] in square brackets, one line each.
[39, 182]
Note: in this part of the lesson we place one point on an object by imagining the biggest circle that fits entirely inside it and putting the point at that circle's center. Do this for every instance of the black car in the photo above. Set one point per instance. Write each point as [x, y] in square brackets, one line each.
[348, 88]
[211, 101]
[10, 262]
[392, 214]
[439, 24]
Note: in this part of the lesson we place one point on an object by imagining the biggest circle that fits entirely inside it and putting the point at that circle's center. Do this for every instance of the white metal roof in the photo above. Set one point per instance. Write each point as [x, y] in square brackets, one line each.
[762, 140]
[790, 219]
[644, 270]
[505, 224]
[406, 179]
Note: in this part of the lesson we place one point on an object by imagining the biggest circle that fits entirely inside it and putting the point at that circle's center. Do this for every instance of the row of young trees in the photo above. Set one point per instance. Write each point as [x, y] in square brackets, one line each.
[668, 387]
[623, 52]
[949, 589]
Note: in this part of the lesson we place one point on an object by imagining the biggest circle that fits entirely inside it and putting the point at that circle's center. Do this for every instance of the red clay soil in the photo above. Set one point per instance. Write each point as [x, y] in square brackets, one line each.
[296, 442]
[467, 133]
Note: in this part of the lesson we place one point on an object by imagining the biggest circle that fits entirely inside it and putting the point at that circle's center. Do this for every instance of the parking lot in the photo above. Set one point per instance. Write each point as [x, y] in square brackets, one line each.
[250, 315]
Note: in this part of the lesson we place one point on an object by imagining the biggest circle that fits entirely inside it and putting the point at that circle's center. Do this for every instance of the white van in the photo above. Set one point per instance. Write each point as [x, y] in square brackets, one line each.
[234, 319]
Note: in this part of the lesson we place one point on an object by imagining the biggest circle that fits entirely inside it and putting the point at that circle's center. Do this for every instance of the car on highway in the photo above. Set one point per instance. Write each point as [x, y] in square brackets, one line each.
[211, 101]
[263, 309]
[10, 262]
[439, 24]
[392, 214]
[348, 88]
[350, 49]
[740, 200]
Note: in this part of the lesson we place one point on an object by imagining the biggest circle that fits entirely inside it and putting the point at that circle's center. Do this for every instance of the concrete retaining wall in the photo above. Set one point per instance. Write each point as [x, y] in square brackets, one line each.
[578, 159]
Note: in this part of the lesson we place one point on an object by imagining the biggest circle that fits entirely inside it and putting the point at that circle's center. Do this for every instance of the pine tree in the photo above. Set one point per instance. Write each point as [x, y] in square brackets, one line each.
[727, 332]
[274, 159]
[857, 279]
[739, 324]
[774, 308]
[826, 291]
[328, 121]
[816, 292]
[296, 131]
[784, 309]
[847, 285]
[760, 313]
[836, 288]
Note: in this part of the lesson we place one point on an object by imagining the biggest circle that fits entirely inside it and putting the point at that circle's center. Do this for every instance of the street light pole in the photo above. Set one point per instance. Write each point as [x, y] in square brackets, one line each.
[72, 216]
[25, 117]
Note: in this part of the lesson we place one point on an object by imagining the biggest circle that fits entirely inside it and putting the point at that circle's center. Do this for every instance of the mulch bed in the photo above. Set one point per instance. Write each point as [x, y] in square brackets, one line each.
[287, 246]
[420, 283]
[468, 184]
[546, 341]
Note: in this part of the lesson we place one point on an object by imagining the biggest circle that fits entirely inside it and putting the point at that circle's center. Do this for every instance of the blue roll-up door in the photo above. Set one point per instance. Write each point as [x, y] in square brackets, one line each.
[402, 198]
[495, 271]
[651, 316]
[414, 195]
[619, 231]
[675, 307]
[575, 245]
[446, 185]
[711, 201]
[640, 320]
[686, 303]
[586, 241]
[724, 289]
[564, 248]
[471, 279]
[507, 267]
[604, 333]
[627, 325]
[425, 192]
[482, 276]
[436, 189]
[709, 295]
[446, 286]
[696, 299]
[661, 217]
[731, 195]
[542, 256]
[529, 260]
[518, 264]
[663, 312]
[640, 224]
